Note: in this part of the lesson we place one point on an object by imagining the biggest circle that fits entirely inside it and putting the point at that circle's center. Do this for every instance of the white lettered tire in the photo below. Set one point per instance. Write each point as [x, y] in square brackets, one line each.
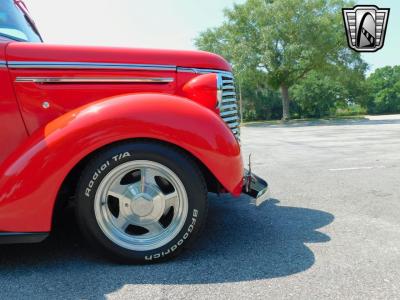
[141, 202]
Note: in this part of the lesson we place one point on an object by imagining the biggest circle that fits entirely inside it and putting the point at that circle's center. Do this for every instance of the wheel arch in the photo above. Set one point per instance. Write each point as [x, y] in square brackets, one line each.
[30, 179]
[66, 193]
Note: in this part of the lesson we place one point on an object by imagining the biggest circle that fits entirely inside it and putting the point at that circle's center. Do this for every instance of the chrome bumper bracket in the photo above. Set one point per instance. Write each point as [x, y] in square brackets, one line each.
[255, 187]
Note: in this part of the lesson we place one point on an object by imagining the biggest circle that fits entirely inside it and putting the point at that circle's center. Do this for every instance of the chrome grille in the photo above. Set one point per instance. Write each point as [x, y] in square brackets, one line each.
[229, 109]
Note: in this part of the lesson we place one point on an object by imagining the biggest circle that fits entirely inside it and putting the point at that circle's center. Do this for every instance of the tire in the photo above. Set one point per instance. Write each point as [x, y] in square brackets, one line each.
[141, 202]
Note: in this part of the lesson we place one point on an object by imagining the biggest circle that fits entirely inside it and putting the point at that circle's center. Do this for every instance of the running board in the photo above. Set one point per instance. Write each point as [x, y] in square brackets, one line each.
[22, 237]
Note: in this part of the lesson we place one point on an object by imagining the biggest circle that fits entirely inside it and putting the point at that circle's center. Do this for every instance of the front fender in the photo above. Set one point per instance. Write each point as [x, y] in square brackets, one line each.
[32, 176]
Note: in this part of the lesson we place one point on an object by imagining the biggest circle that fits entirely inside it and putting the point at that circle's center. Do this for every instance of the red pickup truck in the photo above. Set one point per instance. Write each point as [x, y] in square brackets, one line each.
[133, 139]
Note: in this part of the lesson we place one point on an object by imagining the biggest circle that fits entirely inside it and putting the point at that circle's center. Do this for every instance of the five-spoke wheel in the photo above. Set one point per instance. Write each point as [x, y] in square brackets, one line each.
[141, 201]
[141, 205]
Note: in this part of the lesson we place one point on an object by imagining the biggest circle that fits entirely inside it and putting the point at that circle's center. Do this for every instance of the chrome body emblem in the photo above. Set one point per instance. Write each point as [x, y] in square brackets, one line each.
[366, 27]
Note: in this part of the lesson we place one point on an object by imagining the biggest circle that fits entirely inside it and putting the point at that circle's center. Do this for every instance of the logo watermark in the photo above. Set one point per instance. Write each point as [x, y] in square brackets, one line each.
[366, 27]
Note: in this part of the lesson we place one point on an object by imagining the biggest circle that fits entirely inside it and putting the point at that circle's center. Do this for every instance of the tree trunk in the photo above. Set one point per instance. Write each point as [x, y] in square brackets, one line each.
[285, 103]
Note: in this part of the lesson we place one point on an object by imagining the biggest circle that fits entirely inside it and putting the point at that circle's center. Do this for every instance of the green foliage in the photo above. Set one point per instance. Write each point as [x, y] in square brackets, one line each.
[288, 43]
[323, 94]
[262, 104]
[317, 96]
[287, 38]
[383, 88]
[350, 110]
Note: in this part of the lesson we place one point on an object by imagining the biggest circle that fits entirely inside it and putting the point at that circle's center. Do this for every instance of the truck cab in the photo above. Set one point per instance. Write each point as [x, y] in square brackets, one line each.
[134, 139]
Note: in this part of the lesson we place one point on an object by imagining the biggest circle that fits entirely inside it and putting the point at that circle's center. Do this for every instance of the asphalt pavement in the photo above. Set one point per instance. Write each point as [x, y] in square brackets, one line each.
[331, 229]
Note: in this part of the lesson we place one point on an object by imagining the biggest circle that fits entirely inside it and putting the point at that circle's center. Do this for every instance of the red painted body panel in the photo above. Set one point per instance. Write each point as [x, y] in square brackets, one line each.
[12, 129]
[179, 58]
[31, 177]
[202, 90]
[63, 98]
[41, 145]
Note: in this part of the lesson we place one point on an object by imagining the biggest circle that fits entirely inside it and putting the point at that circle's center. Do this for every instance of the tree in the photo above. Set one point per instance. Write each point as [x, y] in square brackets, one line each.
[317, 96]
[383, 88]
[321, 94]
[284, 39]
[259, 101]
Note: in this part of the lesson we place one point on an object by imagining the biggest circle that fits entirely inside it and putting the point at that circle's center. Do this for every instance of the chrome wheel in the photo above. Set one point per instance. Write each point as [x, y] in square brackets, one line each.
[141, 205]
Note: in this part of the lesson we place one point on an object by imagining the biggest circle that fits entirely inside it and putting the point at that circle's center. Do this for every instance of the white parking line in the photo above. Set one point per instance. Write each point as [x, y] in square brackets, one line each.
[356, 168]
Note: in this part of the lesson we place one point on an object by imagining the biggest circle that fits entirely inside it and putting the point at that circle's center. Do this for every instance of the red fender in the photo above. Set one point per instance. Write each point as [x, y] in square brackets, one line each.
[32, 176]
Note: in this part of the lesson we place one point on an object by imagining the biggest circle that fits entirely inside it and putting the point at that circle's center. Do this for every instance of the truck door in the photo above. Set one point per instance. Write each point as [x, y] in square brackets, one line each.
[12, 128]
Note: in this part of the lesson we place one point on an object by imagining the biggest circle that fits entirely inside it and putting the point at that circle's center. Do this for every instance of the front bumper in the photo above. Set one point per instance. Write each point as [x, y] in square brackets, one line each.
[255, 187]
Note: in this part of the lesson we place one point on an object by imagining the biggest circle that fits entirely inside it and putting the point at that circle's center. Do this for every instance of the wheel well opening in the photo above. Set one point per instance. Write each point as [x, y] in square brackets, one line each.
[66, 195]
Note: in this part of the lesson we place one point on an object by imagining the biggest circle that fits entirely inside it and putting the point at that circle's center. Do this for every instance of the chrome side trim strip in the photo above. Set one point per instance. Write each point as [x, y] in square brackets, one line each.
[3, 64]
[60, 80]
[117, 66]
[87, 65]
[204, 71]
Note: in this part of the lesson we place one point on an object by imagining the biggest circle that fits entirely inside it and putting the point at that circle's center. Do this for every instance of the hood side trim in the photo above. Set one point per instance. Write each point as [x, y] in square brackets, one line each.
[55, 80]
[202, 71]
[86, 65]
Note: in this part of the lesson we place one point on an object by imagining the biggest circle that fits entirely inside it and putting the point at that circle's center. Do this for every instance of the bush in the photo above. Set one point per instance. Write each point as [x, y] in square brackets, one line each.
[383, 88]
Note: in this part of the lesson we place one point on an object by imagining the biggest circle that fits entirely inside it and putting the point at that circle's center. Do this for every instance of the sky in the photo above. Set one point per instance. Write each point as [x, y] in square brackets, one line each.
[171, 24]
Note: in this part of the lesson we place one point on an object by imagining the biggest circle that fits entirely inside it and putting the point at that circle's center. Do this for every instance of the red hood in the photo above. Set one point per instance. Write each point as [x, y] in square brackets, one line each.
[61, 53]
